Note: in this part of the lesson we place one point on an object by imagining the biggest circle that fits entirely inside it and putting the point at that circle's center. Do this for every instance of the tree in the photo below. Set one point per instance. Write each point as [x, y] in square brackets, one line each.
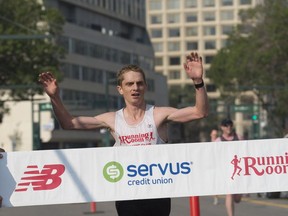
[255, 59]
[30, 46]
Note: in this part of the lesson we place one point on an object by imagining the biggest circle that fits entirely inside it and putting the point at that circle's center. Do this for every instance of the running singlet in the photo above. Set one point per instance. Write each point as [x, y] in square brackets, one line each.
[143, 133]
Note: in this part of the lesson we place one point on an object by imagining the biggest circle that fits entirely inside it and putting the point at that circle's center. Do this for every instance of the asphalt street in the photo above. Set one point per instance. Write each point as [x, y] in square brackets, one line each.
[252, 205]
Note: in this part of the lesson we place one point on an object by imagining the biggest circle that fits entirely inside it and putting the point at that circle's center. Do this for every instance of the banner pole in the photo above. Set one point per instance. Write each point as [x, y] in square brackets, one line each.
[92, 207]
[194, 206]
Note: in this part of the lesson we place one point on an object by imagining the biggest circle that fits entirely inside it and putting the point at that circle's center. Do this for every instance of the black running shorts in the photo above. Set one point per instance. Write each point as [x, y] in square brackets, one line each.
[147, 207]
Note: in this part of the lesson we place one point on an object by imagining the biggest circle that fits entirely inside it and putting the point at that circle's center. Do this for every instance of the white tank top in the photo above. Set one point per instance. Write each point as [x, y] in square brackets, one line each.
[143, 133]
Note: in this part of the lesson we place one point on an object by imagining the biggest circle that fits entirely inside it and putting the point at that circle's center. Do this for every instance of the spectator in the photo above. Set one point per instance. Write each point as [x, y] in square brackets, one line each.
[229, 134]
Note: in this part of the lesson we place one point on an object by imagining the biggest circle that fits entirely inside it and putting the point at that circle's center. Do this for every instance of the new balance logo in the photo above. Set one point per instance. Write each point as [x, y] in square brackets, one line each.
[47, 179]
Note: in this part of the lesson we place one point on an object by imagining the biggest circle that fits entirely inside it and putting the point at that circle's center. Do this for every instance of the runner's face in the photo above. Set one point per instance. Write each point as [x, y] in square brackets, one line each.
[133, 87]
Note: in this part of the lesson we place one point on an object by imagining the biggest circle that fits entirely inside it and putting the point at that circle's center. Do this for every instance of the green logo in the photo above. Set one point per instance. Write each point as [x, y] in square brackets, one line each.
[113, 171]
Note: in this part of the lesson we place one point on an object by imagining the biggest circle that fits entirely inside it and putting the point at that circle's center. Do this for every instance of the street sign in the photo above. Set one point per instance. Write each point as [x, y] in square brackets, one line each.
[242, 108]
[45, 106]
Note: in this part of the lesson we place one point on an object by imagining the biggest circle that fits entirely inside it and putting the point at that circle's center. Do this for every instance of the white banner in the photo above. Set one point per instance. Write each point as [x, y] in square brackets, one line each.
[124, 173]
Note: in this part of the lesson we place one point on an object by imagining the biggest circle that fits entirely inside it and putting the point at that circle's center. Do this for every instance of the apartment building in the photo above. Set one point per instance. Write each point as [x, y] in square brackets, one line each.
[177, 27]
[100, 37]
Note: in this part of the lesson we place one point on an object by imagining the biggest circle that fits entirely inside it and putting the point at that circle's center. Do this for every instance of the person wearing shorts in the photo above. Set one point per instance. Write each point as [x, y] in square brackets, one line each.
[136, 117]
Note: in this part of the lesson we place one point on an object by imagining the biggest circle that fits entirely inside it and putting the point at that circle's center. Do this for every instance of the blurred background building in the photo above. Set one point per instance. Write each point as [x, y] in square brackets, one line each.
[100, 37]
[177, 27]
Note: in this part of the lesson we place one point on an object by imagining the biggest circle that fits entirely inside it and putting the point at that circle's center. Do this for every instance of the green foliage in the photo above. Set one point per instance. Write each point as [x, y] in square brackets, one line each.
[256, 58]
[21, 60]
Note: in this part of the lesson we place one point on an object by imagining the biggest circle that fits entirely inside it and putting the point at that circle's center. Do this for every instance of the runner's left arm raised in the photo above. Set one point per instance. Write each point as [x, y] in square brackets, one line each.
[194, 69]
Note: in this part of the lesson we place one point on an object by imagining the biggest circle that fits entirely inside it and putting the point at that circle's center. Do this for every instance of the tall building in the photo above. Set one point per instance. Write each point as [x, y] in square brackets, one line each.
[100, 37]
[177, 27]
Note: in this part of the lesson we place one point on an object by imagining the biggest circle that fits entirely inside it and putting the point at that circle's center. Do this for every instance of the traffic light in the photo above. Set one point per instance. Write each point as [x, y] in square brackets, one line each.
[254, 117]
[255, 125]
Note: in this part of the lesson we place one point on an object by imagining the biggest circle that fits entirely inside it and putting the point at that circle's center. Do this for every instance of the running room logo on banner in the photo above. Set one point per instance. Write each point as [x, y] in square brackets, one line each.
[259, 166]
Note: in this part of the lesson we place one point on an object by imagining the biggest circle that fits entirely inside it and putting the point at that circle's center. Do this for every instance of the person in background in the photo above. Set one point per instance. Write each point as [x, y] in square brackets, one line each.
[213, 137]
[1, 198]
[136, 117]
[229, 134]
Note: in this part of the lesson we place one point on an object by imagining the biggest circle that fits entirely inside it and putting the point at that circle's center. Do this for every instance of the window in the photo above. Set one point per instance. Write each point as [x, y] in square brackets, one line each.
[173, 4]
[191, 31]
[209, 45]
[226, 15]
[124, 57]
[209, 16]
[156, 33]
[173, 46]
[211, 88]
[158, 46]
[158, 61]
[192, 45]
[208, 59]
[174, 32]
[64, 42]
[150, 85]
[92, 75]
[174, 61]
[224, 43]
[96, 51]
[208, 3]
[156, 19]
[191, 3]
[245, 2]
[191, 17]
[75, 72]
[65, 68]
[174, 74]
[155, 5]
[226, 2]
[173, 18]
[227, 29]
[81, 47]
[209, 30]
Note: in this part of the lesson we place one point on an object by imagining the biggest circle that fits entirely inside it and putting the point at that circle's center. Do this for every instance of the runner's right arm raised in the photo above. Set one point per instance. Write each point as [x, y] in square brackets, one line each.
[66, 120]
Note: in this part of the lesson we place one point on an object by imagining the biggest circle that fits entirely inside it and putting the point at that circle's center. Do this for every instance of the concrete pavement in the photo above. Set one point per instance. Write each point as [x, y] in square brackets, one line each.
[252, 205]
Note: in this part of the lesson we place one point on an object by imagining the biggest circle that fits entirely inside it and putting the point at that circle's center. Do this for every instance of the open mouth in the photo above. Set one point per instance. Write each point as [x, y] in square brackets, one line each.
[135, 94]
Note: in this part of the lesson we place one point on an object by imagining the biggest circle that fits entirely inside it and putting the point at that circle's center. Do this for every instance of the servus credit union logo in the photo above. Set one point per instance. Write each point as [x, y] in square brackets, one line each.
[259, 166]
[47, 178]
[146, 173]
[113, 171]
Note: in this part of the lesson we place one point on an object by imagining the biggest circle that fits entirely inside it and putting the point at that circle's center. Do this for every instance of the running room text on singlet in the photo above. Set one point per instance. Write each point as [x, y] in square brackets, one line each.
[143, 133]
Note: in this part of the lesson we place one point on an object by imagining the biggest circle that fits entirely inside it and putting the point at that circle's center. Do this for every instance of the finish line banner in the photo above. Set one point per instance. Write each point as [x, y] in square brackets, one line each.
[125, 173]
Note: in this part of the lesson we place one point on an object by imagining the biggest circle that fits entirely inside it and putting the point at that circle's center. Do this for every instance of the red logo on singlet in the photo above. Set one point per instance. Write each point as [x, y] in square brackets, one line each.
[137, 138]
[46, 179]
